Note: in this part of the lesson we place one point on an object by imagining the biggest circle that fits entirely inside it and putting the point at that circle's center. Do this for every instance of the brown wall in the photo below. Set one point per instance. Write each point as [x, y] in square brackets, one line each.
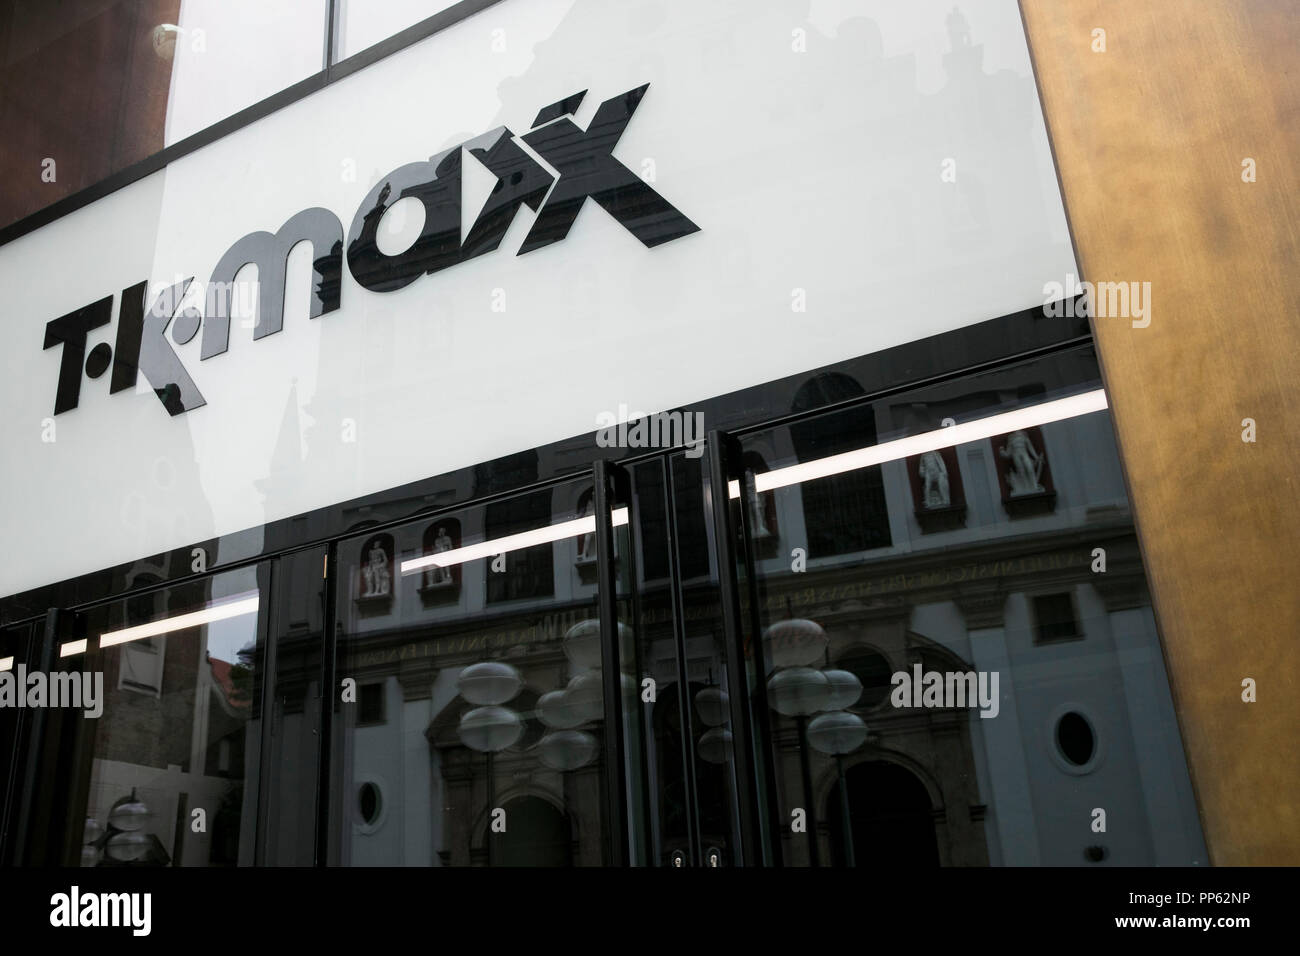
[80, 84]
[1149, 139]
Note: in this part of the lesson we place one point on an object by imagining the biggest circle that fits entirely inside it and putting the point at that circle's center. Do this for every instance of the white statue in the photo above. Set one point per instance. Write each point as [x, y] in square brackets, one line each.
[1026, 465]
[757, 515]
[377, 579]
[439, 575]
[934, 481]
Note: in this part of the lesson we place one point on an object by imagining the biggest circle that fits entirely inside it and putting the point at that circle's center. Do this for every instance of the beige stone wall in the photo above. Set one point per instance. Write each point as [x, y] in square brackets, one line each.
[1149, 137]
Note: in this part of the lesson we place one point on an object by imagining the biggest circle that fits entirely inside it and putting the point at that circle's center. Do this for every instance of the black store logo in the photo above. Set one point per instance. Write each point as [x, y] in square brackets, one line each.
[583, 159]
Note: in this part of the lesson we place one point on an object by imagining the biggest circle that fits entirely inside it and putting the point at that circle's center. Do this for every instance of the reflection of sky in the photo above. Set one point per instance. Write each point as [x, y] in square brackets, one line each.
[918, 29]
[225, 638]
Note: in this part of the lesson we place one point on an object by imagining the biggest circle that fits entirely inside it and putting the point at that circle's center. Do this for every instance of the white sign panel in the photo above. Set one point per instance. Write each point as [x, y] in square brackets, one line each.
[853, 176]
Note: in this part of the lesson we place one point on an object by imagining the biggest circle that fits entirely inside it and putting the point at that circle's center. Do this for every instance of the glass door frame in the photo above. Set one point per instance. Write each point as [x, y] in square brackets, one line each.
[751, 771]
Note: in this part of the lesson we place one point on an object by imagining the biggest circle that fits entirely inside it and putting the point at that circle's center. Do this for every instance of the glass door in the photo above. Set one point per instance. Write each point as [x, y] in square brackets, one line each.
[683, 778]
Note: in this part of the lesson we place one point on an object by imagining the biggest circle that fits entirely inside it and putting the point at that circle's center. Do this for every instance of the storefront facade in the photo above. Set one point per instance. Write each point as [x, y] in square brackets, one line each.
[764, 509]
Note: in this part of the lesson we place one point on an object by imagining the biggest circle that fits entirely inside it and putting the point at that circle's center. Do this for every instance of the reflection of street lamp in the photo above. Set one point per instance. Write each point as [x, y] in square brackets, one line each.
[557, 710]
[799, 692]
[845, 688]
[566, 750]
[123, 842]
[490, 728]
[793, 643]
[711, 704]
[840, 732]
[491, 682]
[90, 843]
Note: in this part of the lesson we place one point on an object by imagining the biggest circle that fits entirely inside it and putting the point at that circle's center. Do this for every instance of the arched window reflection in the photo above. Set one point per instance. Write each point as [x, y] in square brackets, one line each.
[843, 513]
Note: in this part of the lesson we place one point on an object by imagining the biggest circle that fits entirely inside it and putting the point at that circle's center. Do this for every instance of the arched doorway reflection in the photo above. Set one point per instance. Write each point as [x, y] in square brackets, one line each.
[890, 816]
[537, 834]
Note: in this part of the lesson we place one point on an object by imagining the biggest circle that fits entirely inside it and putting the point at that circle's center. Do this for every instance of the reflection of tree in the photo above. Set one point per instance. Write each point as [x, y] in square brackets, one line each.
[242, 676]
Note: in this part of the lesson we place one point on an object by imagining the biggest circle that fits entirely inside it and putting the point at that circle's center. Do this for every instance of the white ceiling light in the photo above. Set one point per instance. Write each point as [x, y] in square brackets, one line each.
[237, 606]
[512, 542]
[1001, 424]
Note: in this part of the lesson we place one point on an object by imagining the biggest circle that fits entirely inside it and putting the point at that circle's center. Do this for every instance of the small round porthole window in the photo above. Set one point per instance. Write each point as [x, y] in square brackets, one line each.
[1075, 740]
[370, 803]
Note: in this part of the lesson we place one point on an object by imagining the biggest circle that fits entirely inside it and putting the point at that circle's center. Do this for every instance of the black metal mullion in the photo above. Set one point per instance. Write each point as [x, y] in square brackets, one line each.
[8, 792]
[268, 637]
[742, 748]
[329, 640]
[685, 718]
[770, 848]
[623, 492]
[32, 757]
[611, 674]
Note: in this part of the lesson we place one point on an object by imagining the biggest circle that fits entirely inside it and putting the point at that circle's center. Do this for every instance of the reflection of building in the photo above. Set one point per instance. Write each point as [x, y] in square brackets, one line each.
[1004, 589]
[414, 792]
[178, 729]
[1014, 553]
[1084, 716]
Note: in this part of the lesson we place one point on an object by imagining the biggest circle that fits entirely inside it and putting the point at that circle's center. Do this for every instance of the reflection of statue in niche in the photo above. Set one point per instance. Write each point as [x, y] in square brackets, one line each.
[375, 576]
[439, 575]
[587, 546]
[1026, 464]
[934, 481]
[958, 29]
[757, 515]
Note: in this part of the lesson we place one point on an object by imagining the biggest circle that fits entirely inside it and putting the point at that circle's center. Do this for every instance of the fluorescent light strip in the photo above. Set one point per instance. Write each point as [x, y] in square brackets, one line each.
[240, 605]
[6, 663]
[72, 647]
[513, 542]
[1001, 424]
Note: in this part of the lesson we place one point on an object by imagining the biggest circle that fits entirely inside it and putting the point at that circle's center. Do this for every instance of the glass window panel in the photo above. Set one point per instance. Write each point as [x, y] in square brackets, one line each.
[295, 707]
[965, 644]
[88, 87]
[476, 733]
[178, 739]
[363, 23]
[229, 54]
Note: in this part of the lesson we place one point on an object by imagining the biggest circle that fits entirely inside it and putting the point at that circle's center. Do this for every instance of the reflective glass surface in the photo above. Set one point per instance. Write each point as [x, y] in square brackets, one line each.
[961, 663]
[363, 23]
[469, 720]
[679, 718]
[162, 770]
[88, 88]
